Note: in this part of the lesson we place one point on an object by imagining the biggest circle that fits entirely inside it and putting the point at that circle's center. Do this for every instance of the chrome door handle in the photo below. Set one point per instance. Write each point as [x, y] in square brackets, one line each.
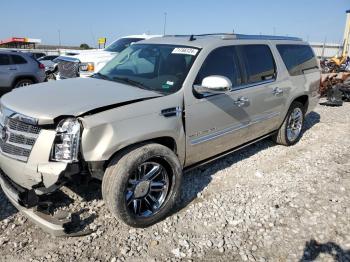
[12, 68]
[241, 101]
[277, 91]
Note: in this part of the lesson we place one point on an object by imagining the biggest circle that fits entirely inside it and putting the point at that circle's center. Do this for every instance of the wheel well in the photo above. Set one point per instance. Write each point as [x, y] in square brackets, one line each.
[169, 142]
[304, 99]
[24, 77]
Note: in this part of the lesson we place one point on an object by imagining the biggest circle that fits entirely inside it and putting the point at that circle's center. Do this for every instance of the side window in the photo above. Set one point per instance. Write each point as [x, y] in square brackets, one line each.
[258, 63]
[297, 58]
[222, 61]
[4, 60]
[18, 60]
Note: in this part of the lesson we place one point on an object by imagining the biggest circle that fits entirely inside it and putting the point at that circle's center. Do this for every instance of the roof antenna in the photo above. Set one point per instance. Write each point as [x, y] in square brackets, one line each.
[192, 38]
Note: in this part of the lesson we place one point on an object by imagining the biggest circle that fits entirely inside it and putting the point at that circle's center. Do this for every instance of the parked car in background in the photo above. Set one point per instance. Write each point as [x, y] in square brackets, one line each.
[51, 66]
[160, 107]
[37, 55]
[19, 69]
[90, 62]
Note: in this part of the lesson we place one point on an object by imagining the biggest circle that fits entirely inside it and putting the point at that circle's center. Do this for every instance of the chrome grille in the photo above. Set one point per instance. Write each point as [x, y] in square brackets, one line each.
[17, 138]
[22, 127]
[68, 69]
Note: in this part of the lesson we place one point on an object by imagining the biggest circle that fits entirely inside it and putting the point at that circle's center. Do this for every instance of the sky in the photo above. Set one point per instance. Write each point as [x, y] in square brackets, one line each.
[85, 21]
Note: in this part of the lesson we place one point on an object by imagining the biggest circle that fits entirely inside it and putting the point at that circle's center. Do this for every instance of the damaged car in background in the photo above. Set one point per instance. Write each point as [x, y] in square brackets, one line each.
[162, 106]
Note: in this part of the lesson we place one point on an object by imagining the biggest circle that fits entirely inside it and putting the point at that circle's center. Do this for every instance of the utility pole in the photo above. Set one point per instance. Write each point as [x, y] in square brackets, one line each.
[164, 29]
[59, 39]
[324, 47]
[274, 30]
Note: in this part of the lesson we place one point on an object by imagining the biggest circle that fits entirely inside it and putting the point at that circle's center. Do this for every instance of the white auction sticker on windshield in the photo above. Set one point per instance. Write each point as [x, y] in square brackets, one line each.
[185, 51]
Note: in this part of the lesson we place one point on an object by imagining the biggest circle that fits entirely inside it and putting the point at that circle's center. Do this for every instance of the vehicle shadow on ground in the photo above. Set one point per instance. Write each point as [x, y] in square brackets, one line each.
[313, 250]
[6, 208]
[195, 181]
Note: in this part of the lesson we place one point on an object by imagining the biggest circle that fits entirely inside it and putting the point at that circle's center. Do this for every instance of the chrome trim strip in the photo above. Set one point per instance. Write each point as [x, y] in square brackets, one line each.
[230, 151]
[28, 147]
[28, 135]
[232, 129]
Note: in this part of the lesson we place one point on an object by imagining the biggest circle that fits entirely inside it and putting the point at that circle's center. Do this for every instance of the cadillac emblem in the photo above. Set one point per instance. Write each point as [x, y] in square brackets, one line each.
[4, 134]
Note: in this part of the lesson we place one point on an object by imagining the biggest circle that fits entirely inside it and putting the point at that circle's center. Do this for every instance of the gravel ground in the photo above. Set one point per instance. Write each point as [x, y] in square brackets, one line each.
[262, 203]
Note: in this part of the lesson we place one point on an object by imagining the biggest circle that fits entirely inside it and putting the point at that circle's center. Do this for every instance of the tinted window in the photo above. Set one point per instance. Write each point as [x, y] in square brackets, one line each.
[223, 62]
[17, 60]
[4, 60]
[121, 44]
[258, 62]
[297, 58]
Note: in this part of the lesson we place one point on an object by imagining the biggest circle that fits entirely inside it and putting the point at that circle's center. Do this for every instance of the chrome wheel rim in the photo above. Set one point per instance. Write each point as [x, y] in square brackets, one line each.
[147, 189]
[295, 124]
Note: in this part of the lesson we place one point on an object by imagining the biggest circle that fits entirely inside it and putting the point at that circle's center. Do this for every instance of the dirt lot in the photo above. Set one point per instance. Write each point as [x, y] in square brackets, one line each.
[263, 203]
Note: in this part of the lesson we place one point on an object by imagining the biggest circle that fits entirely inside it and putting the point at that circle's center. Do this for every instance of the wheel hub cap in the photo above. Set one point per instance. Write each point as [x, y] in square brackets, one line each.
[142, 189]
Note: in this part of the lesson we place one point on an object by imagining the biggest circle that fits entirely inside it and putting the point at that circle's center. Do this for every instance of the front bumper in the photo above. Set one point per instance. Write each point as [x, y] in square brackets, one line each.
[47, 223]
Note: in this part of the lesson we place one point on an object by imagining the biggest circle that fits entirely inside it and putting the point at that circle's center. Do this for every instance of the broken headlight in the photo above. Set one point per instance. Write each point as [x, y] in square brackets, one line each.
[67, 142]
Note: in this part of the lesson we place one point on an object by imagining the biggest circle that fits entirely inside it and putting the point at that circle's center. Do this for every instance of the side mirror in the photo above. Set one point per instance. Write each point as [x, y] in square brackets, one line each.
[214, 85]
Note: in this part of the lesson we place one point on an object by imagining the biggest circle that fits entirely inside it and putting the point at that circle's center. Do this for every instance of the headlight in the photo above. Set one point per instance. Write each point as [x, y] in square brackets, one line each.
[67, 142]
[87, 67]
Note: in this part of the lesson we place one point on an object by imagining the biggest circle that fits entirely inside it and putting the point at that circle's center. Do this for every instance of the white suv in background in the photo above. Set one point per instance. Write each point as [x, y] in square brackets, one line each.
[90, 62]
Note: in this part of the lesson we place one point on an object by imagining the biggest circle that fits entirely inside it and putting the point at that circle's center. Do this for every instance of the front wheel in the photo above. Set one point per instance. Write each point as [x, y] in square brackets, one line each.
[23, 83]
[140, 187]
[290, 131]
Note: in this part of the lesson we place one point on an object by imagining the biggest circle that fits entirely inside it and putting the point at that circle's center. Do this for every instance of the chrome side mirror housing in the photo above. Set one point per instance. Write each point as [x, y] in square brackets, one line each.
[214, 85]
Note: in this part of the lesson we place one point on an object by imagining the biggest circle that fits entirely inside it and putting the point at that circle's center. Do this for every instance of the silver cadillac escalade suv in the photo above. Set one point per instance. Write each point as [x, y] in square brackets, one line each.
[162, 106]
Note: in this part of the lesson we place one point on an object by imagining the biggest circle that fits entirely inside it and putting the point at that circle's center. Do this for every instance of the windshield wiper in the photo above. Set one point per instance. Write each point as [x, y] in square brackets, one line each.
[131, 82]
[99, 75]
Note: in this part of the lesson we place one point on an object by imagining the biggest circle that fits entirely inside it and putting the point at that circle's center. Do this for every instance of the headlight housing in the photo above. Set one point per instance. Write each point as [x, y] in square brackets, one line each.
[67, 142]
[87, 67]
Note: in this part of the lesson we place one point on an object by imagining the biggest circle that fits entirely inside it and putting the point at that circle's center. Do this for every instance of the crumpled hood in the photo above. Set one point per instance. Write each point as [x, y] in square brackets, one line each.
[71, 97]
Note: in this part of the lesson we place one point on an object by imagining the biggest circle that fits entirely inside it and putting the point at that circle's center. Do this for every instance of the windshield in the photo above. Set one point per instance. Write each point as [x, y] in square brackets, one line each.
[121, 44]
[161, 68]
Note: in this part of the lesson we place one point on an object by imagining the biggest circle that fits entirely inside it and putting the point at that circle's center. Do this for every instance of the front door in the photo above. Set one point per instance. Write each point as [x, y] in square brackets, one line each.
[215, 123]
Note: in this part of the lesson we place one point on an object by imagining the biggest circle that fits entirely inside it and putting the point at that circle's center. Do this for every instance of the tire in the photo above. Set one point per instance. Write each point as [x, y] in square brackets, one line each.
[282, 136]
[23, 82]
[125, 187]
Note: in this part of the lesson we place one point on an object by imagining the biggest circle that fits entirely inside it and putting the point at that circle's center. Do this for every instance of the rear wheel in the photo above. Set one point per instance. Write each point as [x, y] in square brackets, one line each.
[140, 187]
[23, 82]
[291, 129]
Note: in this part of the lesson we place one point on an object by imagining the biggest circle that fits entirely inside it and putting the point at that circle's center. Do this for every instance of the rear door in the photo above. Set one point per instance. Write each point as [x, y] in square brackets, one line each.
[262, 87]
[7, 70]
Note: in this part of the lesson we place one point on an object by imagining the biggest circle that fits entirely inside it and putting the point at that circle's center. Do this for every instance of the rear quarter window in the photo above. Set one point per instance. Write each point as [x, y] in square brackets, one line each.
[18, 60]
[297, 58]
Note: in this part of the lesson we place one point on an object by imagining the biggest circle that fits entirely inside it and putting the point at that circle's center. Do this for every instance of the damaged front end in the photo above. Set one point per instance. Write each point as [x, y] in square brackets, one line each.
[36, 161]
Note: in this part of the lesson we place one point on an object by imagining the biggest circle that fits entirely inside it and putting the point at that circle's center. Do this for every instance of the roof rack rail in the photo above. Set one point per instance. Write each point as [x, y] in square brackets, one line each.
[230, 36]
[268, 37]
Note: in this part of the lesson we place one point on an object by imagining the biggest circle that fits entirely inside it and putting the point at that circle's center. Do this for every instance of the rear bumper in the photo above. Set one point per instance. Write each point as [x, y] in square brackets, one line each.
[46, 222]
[313, 102]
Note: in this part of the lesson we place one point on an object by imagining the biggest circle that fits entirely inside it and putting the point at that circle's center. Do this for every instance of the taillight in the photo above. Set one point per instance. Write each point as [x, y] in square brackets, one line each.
[41, 66]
